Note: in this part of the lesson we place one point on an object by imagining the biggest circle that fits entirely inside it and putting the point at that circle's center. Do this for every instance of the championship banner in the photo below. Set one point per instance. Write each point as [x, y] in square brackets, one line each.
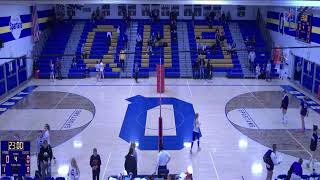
[35, 25]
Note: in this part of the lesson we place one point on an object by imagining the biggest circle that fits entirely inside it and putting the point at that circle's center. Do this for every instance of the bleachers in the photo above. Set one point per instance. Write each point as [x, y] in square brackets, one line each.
[168, 55]
[248, 30]
[55, 45]
[220, 59]
[94, 42]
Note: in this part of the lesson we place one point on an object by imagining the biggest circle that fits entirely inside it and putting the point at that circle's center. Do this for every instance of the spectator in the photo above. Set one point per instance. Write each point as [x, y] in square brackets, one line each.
[125, 40]
[295, 172]
[150, 47]
[196, 69]
[251, 58]
[158, 36]
[139, 39]
[93, 15]
[118, 31]
[268, 71]
[209, 74]
[303, 112]
[222, 36]
[58, 69]
[258, 71]
[130, 164]
[192, 17]
[52, 71]
[95, 163]
[196, 133]
[109, 39]
[74, 172]
[313, 146]
[45, 157]
[202, 67]
[74, 62]
[39, 144]
[233, 47]
[97, 66]
[136, 72]
[228, 17]
[101, 69]
[162, 162]
[271, 159]
[122, 59]
[174, 35]
[217, 37]
[284, 107]
[223, 18]
[97, 13]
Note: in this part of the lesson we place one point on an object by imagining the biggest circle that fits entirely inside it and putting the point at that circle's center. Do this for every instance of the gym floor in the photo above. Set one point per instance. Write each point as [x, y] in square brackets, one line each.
[240, 120]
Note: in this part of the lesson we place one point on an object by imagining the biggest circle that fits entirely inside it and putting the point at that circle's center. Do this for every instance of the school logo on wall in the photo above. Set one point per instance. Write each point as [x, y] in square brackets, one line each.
[15, 25]
[142, 119]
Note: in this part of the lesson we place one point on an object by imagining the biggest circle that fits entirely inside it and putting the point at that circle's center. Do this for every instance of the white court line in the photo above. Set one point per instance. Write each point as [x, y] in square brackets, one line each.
[130, 89]
[289, 150]
[189, 88]
[252, 94]
[214, 166]
[299, 143]
[105, 169]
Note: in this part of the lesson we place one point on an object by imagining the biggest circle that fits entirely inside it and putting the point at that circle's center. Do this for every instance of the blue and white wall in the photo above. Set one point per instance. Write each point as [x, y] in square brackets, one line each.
[311, 63]
[17, 37]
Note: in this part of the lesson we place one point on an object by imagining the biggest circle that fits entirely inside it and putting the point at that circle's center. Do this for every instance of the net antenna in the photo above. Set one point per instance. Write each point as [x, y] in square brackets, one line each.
[161, 76]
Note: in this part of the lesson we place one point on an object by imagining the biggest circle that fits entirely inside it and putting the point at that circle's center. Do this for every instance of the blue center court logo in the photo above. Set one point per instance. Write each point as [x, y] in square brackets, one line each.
[141, 122]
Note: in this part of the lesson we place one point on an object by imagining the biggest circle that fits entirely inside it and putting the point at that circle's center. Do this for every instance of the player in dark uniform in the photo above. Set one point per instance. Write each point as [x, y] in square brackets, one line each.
[303, 112]
[284, 107]
[313, 145]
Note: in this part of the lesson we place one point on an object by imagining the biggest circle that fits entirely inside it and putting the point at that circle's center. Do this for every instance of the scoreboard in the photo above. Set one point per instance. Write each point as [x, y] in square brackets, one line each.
[15, 158]
[304, 27]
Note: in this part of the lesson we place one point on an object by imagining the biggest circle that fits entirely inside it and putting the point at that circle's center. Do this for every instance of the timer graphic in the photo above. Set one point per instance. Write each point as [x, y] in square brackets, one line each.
[15, 158]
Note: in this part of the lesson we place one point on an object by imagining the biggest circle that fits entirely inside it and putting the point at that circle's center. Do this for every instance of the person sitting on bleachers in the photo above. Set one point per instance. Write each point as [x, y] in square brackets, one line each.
[153, 39]
[149, 47]
[139, 39]
[222, 36]
[174, 35]
[158, 36]
[122, 59]
[217, 37]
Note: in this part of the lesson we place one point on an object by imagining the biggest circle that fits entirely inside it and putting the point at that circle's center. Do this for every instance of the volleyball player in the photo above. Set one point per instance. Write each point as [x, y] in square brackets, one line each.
[284, 107]
[313, 145]
[303, 112]
[196, 133]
